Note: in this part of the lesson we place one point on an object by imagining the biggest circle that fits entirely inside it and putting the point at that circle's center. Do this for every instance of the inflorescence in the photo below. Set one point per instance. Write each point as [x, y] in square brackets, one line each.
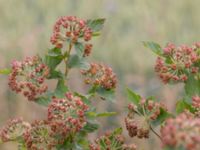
[177, 62]
[184, 130]
[100, 75]
[111, 141]
[14, 129]
[66, 117]
[28, 77]
[72, 29]
[147, 111]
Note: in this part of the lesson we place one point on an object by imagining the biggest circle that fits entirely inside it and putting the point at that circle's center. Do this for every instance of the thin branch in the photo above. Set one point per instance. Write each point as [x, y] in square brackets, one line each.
[155, 133]
[67, 58]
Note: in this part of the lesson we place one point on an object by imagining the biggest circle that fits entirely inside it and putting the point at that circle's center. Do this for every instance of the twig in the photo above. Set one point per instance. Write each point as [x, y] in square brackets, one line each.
[155, 133]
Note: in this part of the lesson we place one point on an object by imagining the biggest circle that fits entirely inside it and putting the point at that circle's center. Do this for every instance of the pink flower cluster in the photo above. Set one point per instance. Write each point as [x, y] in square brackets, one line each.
[111, 141]
[196, 102]
[71, 28]
[139, 125]
[40, 136]
[27, 77]
[67, 115]
[177, 62]
[14, 129]
[100, 75]
[184, 130]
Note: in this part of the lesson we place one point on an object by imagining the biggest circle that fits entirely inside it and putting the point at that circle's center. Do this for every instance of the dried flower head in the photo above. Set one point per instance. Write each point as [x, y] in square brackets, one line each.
[147, 111]
[100, 75]
[67, 115]
[111, 141]
[137, 127]
[39, 136]
[184, 130]
[177, 62]
[28, 77]
[71, 28]
[14, 129]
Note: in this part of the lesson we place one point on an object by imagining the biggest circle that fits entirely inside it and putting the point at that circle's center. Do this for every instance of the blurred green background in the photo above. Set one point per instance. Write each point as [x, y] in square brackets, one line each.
[26, 26]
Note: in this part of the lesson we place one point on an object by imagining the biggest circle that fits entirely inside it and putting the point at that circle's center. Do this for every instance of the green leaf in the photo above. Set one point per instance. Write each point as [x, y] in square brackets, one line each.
[161, 118]
[96, 25]
[21, 146]
[117, 131]
[133, 97]
[183, 105]
[92, 114]
[106, 94]
[45, 99]
[53, 58]
[154, 47]
[61, 89]
[153, 98]
[192, 87]
[76, 62]
[55, 75]
[90, 127]
[106, 114]
[79, 47]
[5, 71]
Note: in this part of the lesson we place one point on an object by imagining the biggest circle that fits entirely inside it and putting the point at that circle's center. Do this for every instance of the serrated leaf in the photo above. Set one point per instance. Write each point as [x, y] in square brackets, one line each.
[76, 62]
[133, 97]
[54, 52]
[161, 118]
[55, 75]
[156, 48]
[183, 105]
[106, 94]
[96, 25]
[192, 87]
[79, 47]
[61, 89]
[5, 71]
[90, 127]
[53, 58]
[45, 99]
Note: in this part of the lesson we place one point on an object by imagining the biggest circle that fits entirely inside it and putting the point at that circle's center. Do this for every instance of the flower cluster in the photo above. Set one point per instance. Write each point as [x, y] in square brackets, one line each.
[137, 127]
[100, 75]
[184, 130]
[28, 77]
[39, 137]
[71, 28]
[177, 62]
[67, 115]
[196, 102]
[14, 129]
[111, 141]
[148, 110]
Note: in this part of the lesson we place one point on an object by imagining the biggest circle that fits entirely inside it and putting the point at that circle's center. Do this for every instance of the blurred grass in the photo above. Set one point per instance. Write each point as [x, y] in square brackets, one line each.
[26, 25]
